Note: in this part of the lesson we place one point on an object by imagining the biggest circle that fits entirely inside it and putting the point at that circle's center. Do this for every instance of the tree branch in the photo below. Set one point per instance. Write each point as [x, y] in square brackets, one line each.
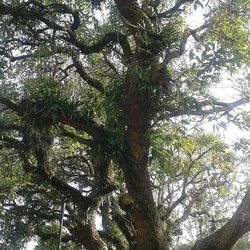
[9, 104]
[174, 9]
[82, 201]
[38, 14]
[8, 127]
[105, 41]
[183, 41]
[90, 126]
[226, 237]
[89, 80]
[198, 109]
[13, 143]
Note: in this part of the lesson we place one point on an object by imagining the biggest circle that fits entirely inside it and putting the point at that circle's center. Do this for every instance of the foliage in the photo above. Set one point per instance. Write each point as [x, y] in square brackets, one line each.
[103, 106]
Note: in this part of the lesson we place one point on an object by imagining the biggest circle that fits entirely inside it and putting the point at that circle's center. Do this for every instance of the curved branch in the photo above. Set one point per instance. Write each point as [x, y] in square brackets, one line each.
[199, 111]
[38, 11]
[82, 201]
[105, 41]
[183, 41]
[90, 81]
[226, 237]
[174, 9]
[64, 9]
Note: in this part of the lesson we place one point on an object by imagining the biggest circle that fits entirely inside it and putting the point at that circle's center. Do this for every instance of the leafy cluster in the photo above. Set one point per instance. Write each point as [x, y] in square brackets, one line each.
[102, 106]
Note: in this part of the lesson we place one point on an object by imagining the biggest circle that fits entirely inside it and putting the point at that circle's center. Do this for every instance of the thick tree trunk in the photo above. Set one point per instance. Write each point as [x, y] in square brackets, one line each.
[139, 202]
[141, 207]
[227, 236]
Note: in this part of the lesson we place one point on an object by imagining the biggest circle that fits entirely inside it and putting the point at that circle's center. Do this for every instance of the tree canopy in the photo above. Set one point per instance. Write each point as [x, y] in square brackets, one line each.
[101, 108]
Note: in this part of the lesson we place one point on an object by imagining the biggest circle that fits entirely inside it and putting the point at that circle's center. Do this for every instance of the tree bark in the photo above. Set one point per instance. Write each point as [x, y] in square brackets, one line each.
[139, 202]
[230, 233]
[89, 237]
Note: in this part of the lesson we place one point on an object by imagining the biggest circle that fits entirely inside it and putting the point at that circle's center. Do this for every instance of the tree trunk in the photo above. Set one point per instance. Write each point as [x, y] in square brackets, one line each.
[139, 202]
[88, 236]
[230, 233]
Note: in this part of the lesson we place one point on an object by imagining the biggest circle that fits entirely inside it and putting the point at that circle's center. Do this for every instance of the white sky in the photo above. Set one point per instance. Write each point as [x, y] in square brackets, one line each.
[31, 245]
[195, 19]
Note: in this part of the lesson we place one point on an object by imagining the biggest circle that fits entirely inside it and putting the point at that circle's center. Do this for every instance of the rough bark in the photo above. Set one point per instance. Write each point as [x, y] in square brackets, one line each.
[230, 233]
[88, 236]
[139, 202]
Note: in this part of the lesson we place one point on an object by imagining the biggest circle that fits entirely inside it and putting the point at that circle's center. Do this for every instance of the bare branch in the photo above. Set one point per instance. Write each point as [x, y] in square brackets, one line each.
[174, 9]
[183, 41]
[201, 108]
[188, 208]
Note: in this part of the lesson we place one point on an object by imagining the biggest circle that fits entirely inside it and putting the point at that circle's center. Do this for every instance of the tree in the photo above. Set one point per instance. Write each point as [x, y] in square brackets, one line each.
[88, 96]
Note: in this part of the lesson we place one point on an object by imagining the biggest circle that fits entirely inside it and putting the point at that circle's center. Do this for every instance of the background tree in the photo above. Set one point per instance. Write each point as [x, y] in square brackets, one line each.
[94, 97]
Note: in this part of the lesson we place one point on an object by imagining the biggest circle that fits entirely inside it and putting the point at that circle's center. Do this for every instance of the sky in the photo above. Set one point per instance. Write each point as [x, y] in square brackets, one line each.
[31, 245]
